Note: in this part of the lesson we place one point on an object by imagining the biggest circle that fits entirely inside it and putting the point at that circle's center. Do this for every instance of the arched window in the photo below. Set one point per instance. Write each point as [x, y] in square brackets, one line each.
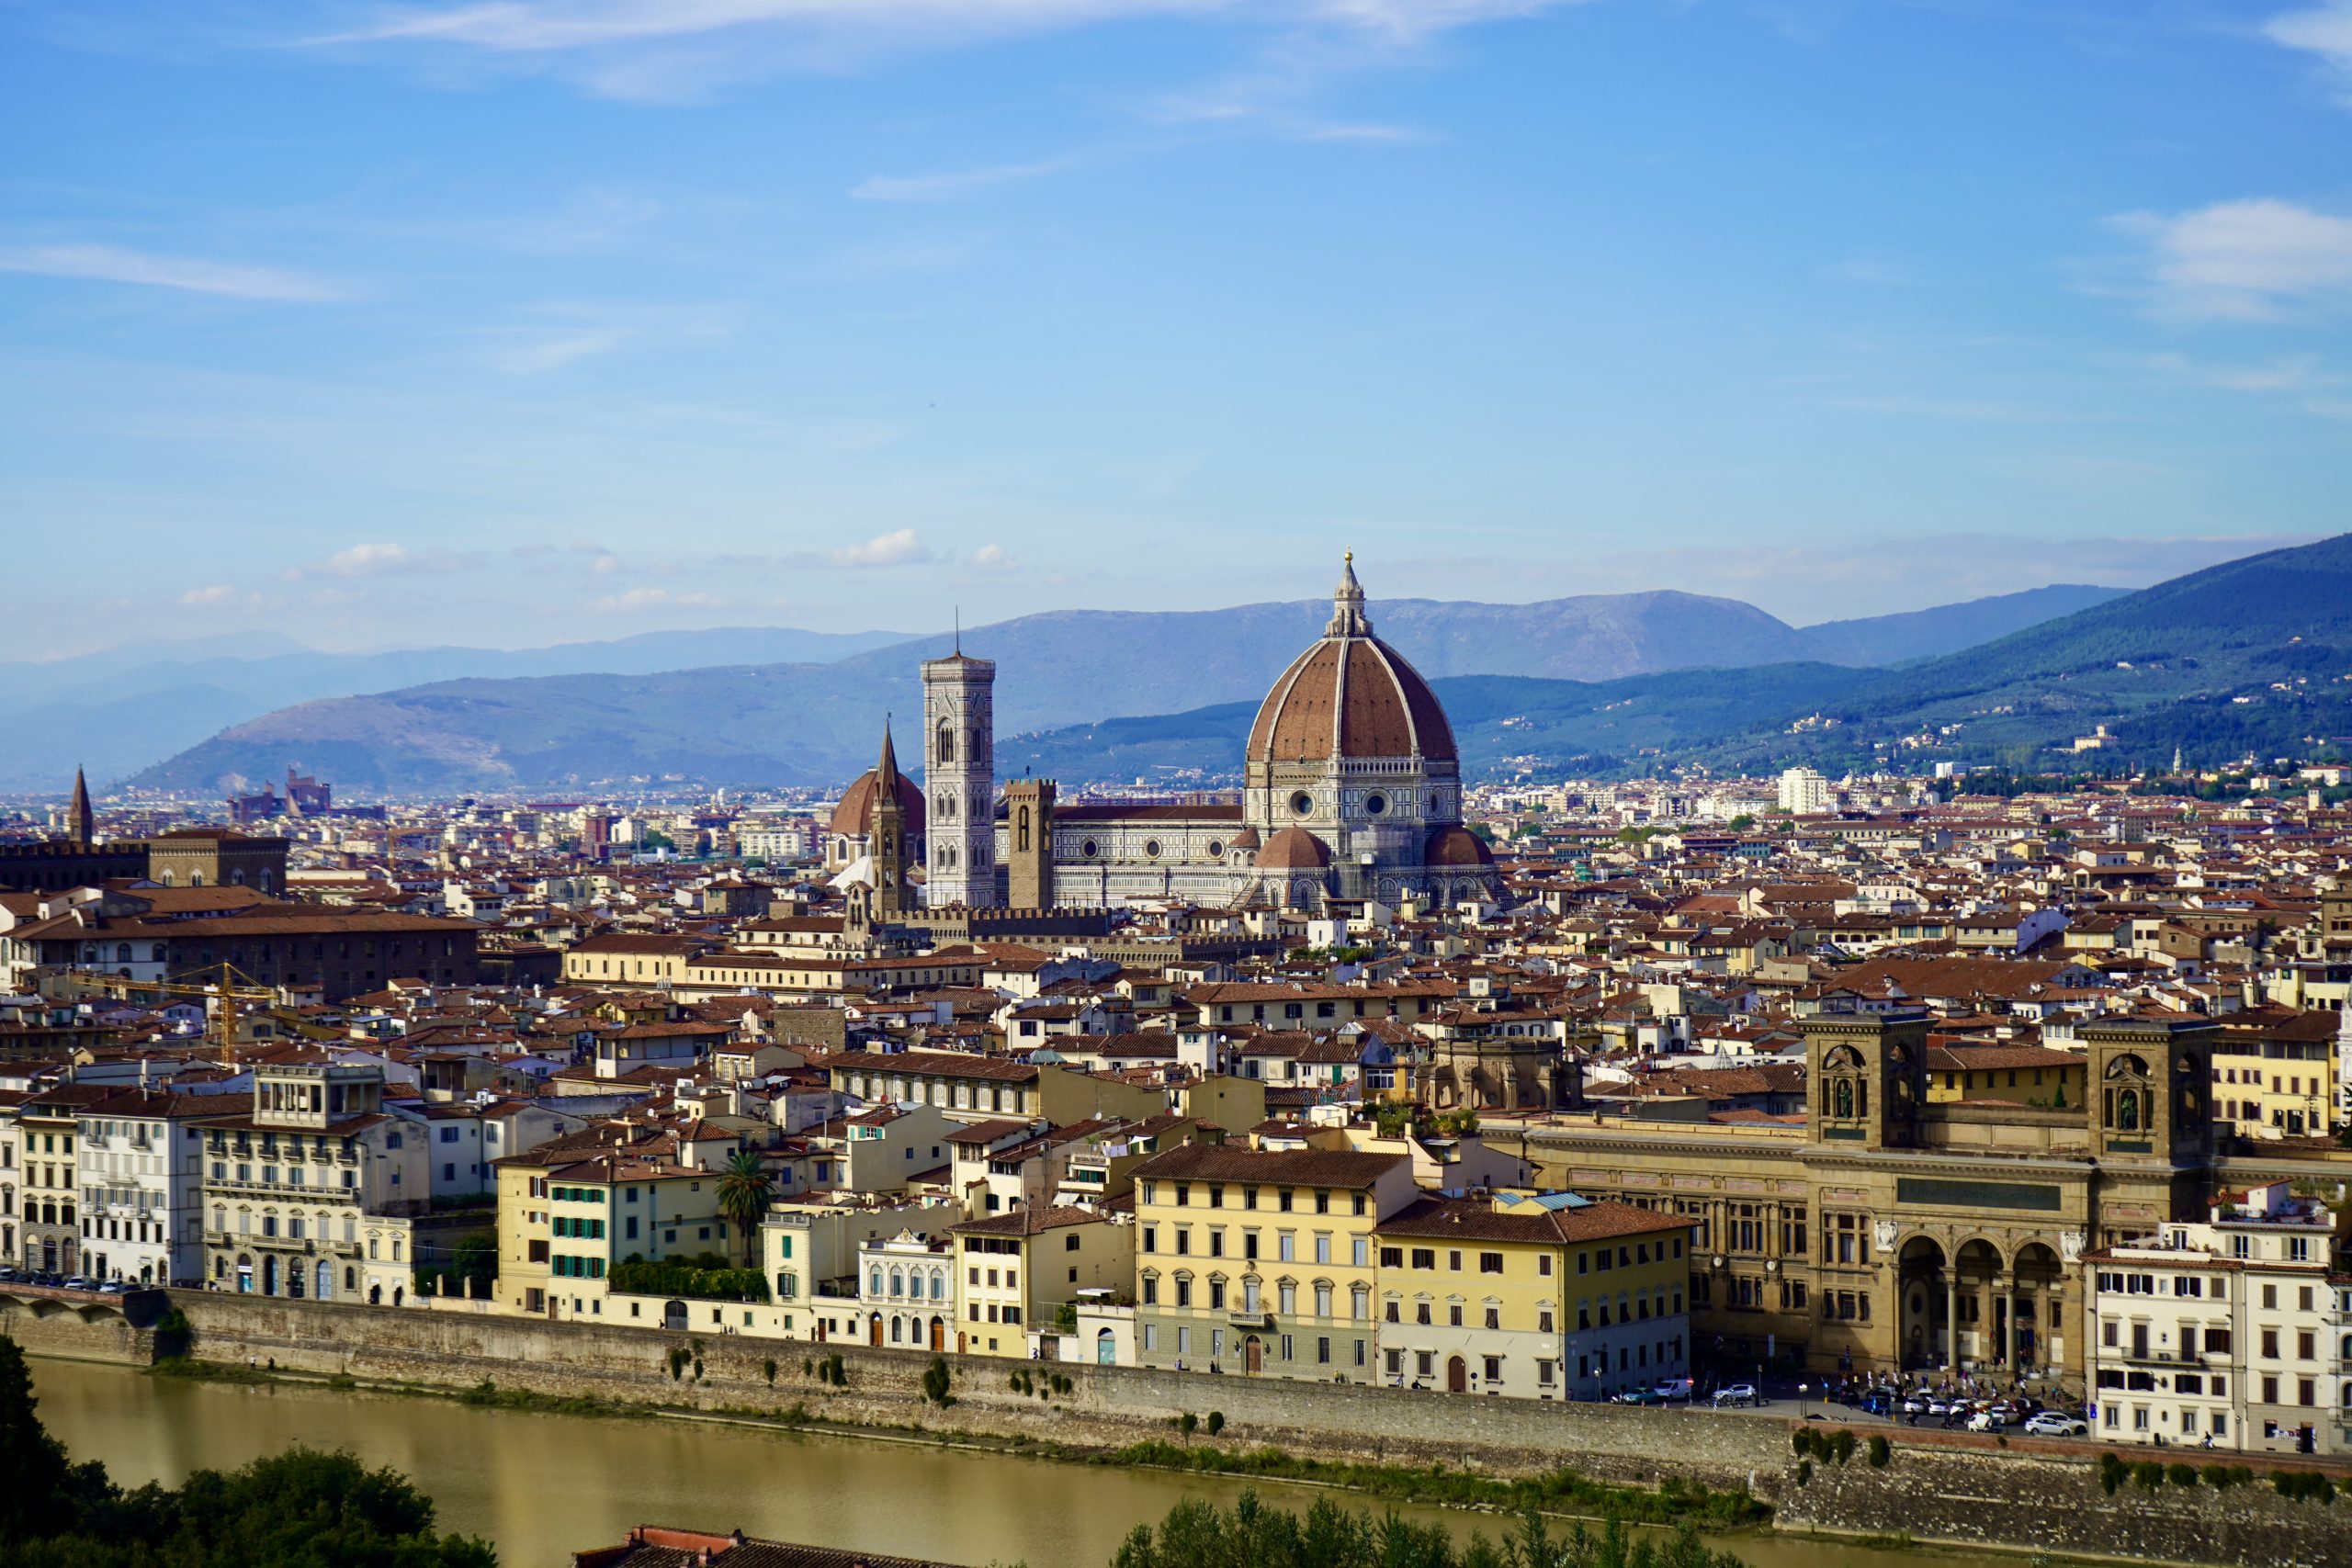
[898, 1283]
[943, 744]
[1843, 1095]
[2127, 1111]
[122, 953]
[1021, 831]
[874, 1282]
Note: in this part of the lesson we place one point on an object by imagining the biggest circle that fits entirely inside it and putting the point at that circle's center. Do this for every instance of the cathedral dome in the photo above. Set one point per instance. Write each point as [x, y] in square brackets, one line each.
[1349, 696]
[1456, 847]
[853, 816]
[1293, 849]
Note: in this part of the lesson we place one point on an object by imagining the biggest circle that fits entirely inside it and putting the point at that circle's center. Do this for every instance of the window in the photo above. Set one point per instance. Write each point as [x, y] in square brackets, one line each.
[1490, 1263]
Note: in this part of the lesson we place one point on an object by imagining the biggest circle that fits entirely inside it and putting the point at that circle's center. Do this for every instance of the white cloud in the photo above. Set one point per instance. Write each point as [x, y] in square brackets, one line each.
[639, 598]
[385, 560]
[2288, 373]
[901, 548]
[217, 594]
[658, 50]
[956, 183]
[2250, 260]
[112, 264]
[2324, 30]
[992, 557]
[572, 331]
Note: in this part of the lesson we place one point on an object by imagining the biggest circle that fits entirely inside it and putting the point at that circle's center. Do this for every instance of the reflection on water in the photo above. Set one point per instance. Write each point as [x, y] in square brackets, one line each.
[545, 1486]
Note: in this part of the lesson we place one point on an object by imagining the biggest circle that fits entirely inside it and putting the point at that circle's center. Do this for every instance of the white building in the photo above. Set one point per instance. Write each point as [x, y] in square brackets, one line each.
[2228, 1331]
[906, 1293]
[1804, 792]
[139, 1165]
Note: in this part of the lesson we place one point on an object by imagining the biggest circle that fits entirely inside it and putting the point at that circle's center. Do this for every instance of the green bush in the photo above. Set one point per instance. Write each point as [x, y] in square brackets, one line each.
[2303, 1486]
[2218, 1478]
[2147, 1476]
[1805, 1473]
[2112, 1472]
[2181, 1475]
[1881, 1452]
[689, 1281]
[1216, 1422]
[1842, 1445]
[934, 1383]
[769, 1367]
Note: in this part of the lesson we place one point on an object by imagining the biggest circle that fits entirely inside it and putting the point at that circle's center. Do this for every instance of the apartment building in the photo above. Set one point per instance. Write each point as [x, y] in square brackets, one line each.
[1017, 1271]
[1260, 1262]
[1532, 1295]
[2229, 1332]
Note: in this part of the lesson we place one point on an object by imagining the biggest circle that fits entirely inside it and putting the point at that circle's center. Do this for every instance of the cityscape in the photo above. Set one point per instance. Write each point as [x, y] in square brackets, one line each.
[1305, 783]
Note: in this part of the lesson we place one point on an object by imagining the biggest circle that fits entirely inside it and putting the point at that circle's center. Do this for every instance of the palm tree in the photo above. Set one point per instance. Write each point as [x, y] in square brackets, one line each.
[744, 1194]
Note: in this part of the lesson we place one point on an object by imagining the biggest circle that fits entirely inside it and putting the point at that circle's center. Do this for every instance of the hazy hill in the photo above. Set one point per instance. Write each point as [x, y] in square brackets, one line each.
[1947, 628]
[1597, 680]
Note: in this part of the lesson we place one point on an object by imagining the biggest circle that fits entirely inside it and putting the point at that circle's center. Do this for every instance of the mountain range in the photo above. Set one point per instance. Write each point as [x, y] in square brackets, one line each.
[803, 722]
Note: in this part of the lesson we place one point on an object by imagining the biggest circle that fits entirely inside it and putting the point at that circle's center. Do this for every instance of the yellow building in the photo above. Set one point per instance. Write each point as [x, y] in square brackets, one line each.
[1532, 1295]
[1014, 1272]
[564, 1222]
[1260, 1262]
[2020, 1074]
[2275, 1072]
[977, 1088]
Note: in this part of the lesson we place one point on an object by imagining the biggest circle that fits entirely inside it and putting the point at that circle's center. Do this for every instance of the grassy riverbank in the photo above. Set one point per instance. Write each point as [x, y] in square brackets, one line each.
[1563, 1492]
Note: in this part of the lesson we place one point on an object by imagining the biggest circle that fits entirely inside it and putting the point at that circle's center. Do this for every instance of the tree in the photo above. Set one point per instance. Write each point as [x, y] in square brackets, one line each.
[299, 1509]
[745, 1191]
[33, 1502]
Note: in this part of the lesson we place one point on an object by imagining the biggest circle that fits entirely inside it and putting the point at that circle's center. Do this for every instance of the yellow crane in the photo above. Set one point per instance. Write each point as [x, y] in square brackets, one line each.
[221, 997]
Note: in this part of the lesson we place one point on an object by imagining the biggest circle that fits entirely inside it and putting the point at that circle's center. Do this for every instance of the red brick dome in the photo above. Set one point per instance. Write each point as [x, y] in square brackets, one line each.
[1349, 696]
[1293, 849]
[1456, 847]
[853, 817]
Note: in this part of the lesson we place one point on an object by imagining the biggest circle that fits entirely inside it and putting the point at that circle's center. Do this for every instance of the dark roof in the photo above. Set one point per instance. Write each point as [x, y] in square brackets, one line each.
[1472, 1220]
[652, 1546]
[1302, 1167]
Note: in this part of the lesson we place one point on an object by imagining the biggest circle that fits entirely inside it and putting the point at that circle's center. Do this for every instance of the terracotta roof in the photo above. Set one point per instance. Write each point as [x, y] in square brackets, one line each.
[1472, 1220]
[854, 815]
[1301, 1167]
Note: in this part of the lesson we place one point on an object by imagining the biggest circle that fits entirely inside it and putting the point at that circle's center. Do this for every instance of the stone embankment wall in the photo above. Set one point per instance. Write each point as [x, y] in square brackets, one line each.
[1106, 1406]
[1934, 1489]
[2014, 1500]
[93, 1334]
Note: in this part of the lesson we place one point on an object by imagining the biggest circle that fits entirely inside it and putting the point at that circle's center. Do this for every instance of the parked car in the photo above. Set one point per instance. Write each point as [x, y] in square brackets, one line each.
[7, 1276]
[1676, 1388]
[114, 1288]
[2057, 1423]
[78, 1283]
[1914, 1406]
[1738, 1394]
[1878, 1403]
[1638, 1396]
[1982, 1421]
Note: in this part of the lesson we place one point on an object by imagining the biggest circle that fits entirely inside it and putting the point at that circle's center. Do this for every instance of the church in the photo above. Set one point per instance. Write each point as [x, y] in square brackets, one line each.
[1351, 793]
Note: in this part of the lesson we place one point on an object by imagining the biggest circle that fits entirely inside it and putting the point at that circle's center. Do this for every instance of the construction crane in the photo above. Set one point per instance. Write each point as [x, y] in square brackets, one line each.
[221, 997]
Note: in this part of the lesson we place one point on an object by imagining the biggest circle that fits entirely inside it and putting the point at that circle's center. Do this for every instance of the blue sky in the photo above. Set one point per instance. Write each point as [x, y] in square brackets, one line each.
[525, 321]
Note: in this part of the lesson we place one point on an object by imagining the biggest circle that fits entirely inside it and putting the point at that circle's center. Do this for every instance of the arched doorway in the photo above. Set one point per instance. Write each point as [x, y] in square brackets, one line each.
[1926, 1329]
[375, 1295]
[324, 1290]
[1457, 1375]
[1253, 1355]
[1979, 1292]
[1107, 1350]
[2037, 1299]
[269, 1276]
[874, 1330]
[938, 1335]
[674, 1315]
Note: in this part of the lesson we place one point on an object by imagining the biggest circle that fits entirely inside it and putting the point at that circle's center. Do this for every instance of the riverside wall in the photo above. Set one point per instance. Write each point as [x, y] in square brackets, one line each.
[1940, 1490]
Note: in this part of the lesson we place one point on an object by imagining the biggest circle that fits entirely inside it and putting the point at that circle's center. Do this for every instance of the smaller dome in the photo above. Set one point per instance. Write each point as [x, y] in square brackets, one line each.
[1293, 849]
[1456, 847]
[854, 815]
[1247, 839]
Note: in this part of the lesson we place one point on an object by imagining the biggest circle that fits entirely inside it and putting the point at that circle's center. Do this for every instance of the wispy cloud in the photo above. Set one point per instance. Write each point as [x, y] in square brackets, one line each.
[571, 333]
[902, 546]
[991, 557]
[386, 560]
[2288, 373]
[113, 263]
[216, 594]
[636, 600]
[2252, 260]
[2324, 30]
[959, 183]
[667, 49]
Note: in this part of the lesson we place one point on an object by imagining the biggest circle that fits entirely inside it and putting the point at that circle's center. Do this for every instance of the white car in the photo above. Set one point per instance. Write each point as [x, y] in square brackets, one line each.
[1984, 1421]
[1676, 1388]
[2052, 1424]
[1738, 1394]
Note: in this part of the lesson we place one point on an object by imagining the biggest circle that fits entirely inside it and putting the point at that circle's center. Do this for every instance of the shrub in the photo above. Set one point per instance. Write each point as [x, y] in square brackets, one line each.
[2111, 1472]
[769, 1367]
[1801, 1441]
[687, 1279]
[2218, 1478]
[2303, 1486]
[2181, 1475]
[1216, 1422]
[697, 1368]
[2147, 1476]
[1805, 1473]
[1843, 1445]
[934, 1383]
[839, 1374]
[1881, 1452]
[679, 1356]
[1189, 1423]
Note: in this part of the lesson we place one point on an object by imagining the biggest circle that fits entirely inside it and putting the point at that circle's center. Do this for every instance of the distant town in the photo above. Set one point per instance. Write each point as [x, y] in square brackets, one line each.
[2033, 1093]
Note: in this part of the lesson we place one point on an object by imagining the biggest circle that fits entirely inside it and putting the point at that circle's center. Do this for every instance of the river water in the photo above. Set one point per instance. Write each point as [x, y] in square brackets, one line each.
[542, 1487]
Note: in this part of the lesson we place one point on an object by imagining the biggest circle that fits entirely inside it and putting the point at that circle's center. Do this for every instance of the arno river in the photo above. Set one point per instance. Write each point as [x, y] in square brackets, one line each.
[542, 1487]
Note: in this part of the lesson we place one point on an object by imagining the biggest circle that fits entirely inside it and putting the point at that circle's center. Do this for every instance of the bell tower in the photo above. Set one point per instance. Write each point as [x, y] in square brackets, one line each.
[2151, 1088]
[1866, 1077]
[1029, 844]
[959, 778]
[888, 838]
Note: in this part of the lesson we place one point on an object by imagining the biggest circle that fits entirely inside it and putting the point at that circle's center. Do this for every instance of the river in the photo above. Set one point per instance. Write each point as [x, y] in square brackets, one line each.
[544, 1486]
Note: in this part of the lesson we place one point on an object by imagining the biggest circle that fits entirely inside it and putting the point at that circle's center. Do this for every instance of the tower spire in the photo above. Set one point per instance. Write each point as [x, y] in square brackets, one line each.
[85, 824]
[1348, 617]
[887, 771]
